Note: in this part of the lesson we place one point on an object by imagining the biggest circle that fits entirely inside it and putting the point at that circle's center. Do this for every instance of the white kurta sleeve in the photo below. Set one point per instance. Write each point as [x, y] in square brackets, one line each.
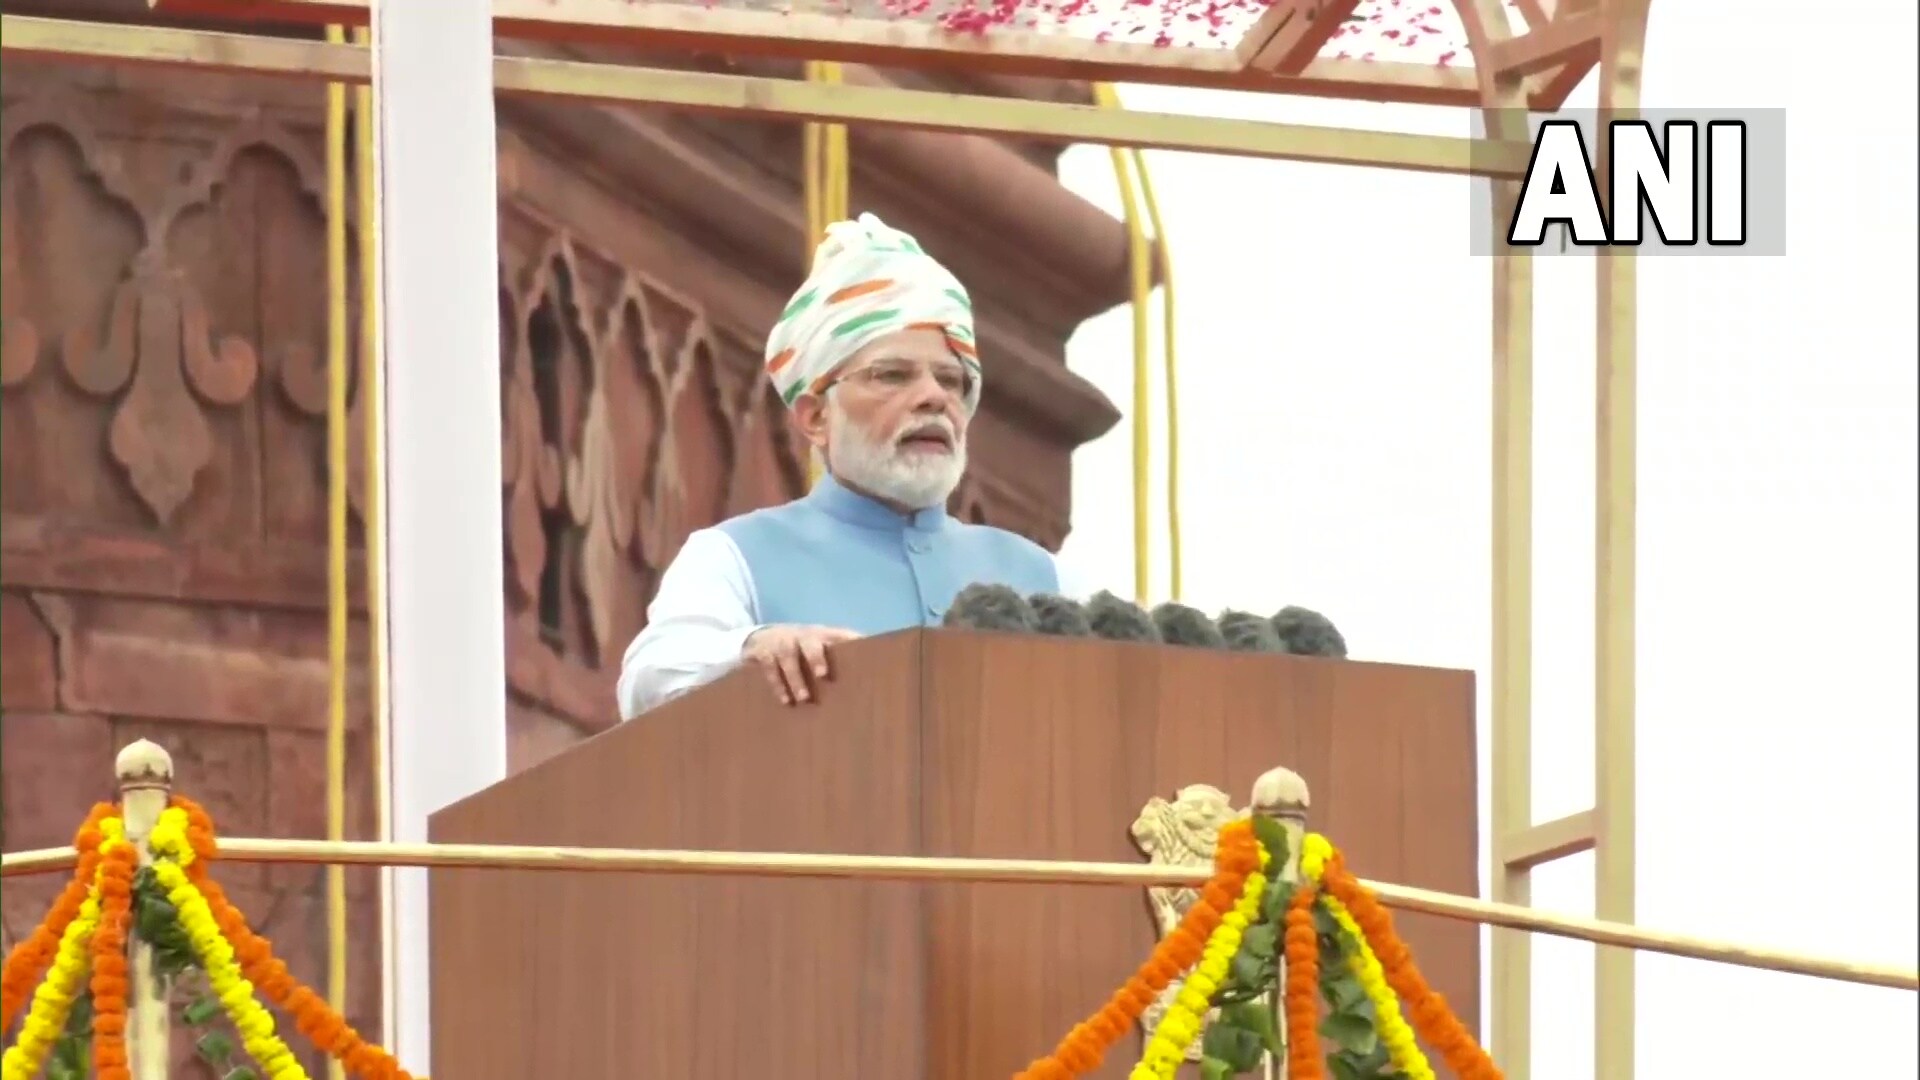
[1074, 583]
[699, 620]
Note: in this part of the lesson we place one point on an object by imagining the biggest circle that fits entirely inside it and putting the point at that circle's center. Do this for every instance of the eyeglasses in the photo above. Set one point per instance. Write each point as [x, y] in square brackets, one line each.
[892, 377]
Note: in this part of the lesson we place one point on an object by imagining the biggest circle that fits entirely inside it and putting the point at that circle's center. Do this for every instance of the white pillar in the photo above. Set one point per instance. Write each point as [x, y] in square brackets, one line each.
[439, 243]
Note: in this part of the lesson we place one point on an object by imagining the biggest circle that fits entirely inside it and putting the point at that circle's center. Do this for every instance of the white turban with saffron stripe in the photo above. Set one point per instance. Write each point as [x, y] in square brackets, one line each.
[868, 281]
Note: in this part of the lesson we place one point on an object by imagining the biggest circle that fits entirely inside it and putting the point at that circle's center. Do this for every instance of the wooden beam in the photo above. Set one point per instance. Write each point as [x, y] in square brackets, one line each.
[1547, 93]
[820, 30]
[1561, 42]
[793, 100]
[1549, 841]
[1291, 33]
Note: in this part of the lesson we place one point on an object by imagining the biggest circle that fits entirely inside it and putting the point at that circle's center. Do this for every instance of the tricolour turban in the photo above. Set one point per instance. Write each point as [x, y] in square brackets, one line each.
[868, 281]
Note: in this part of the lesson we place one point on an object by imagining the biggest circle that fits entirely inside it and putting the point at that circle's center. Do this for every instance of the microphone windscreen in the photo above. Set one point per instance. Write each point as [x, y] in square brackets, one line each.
[1247, 632]
[1309, 633]
[1060, 616]
[989, 607]
[1119, 620]
[1182, 625]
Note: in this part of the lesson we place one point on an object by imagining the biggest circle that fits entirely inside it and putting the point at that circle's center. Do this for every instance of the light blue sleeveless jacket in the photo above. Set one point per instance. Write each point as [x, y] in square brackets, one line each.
[838, 558]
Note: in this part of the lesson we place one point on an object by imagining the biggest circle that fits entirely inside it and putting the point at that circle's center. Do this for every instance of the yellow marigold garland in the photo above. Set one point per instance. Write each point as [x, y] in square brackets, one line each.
[1392, 1027]
[1177, 1029]
[250, 1019]
[53, 1001]
[1433, 1019]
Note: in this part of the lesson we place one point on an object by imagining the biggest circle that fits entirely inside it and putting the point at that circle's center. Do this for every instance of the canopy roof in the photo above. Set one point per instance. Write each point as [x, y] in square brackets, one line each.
[1382, 50]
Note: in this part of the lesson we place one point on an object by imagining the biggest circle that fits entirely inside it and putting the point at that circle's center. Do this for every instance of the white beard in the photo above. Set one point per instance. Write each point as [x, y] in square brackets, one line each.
[913, 479]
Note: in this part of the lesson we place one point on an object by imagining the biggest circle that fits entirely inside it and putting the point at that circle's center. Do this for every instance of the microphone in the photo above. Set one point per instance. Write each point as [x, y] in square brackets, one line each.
[1183, 625]
[1308, 633]
[1119, 620]
[1244, 631]
[1059, 616]
[989, 607]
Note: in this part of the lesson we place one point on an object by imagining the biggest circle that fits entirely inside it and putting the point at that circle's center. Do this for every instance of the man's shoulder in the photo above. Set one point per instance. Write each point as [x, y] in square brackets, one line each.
[765, 515]
[784, 525]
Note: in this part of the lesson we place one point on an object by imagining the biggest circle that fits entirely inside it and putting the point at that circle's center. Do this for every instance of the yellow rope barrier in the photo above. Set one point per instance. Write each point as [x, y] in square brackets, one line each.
[1165, 259]
[825, 182]
[336, 169]
[1140, 272]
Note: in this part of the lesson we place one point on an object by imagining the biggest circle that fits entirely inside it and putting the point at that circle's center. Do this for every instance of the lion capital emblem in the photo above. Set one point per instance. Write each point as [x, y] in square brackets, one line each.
[1181, 832]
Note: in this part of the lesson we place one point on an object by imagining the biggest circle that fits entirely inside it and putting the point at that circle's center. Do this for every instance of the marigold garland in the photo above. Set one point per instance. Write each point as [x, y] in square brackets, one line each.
[188, 838]
[1302, 991]
[29, 960]
[1389, 1023]
[54, 999]
[109, 956]
[1432, 1018]
[1235, 859]
[1175, 1032]
[253, 1023]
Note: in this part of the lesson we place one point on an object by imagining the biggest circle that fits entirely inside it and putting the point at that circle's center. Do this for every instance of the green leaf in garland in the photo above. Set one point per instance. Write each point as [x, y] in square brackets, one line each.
[1257, 1017]
[1325, 924]
[156, 916]
[1273, 902]
[244, 1072]
[1340, 1067]
[200, 1011]
[1342, 991]
[214, 1048]
[1250, 974]
[1377, 1062]
[1260, 941]
[1349, 1031]
[1272, 836]
[1239, 1048]
[1214, 1069]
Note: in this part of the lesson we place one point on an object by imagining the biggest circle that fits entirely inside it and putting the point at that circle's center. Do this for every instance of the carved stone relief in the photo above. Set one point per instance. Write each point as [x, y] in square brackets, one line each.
[625, 421]
[1183, 831]
[148, 275]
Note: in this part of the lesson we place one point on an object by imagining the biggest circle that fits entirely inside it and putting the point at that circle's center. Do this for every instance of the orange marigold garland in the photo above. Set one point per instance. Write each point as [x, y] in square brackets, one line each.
[29, 960]
[314, 1018]
[1302, 991]
[1087, 1044]
[109, 982]
[1427, 1009]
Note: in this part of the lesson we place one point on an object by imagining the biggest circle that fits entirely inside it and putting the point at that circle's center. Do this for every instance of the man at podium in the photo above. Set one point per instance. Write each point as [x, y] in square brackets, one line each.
[875, 358]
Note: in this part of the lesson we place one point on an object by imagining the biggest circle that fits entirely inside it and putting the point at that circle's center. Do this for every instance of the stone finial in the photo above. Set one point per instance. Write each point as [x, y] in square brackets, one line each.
[144, 764]
[1280, 793]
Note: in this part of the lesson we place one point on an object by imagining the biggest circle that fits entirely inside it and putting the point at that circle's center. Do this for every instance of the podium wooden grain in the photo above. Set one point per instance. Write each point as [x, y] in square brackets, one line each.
[926, 742]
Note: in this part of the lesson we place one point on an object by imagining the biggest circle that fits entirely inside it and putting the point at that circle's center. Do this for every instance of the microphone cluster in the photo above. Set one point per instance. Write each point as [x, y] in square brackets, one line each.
[1293, 630]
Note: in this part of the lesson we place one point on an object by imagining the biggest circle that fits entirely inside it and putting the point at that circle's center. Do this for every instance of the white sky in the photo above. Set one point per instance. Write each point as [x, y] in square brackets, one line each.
[1334, 329]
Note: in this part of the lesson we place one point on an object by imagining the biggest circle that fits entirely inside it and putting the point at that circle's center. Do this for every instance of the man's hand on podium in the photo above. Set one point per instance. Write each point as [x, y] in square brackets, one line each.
[793, 657]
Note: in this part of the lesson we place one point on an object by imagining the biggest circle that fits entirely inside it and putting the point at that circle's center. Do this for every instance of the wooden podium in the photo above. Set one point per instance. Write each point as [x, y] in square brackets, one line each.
[925, 742]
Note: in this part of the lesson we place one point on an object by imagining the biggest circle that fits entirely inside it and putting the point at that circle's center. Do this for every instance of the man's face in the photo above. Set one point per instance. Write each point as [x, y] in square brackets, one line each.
[894, 421]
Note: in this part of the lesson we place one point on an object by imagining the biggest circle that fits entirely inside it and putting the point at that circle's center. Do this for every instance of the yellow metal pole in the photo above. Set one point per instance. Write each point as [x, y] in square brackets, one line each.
[336, 170]
[1164, 258]
[1140, 274]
